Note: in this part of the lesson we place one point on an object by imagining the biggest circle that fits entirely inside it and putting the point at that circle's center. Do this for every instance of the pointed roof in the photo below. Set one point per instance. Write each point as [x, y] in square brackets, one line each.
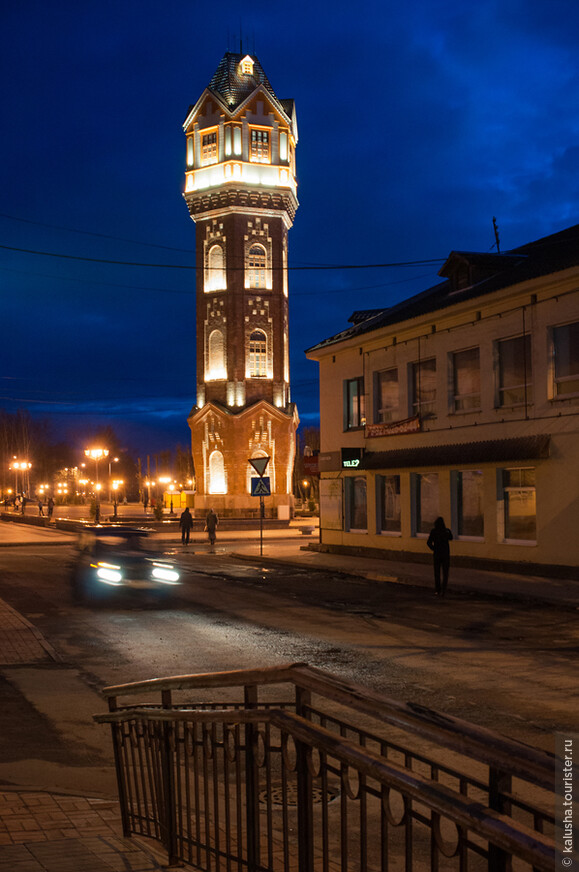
[232, 85]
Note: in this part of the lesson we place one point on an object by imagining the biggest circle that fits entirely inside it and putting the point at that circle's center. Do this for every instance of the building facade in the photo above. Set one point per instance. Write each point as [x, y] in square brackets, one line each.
[462, 401]
[240, 189]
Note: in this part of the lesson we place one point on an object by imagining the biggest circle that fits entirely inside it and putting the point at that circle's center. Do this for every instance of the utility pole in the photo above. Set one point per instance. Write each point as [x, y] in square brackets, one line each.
[496, 229]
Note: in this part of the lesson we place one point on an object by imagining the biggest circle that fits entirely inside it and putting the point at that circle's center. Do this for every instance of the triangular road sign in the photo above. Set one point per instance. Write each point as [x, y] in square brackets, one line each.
[259, 464]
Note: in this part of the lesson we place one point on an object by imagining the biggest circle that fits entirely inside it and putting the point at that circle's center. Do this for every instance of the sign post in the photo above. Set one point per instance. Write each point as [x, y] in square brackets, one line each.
[260, 487]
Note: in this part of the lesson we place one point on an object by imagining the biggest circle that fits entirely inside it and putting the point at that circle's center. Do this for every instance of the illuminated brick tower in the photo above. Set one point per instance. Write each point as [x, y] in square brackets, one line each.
[240, 189]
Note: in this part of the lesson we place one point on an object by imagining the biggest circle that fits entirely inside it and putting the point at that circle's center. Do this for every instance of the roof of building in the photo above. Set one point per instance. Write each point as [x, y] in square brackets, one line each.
[470, 275]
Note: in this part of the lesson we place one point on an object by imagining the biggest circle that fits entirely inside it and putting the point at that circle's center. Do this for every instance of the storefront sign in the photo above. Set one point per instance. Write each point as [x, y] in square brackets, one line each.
[397, 428]
[352, 457]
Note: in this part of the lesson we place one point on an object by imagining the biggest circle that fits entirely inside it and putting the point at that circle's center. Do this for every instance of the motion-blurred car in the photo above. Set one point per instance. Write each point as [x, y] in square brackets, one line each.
[116, 560]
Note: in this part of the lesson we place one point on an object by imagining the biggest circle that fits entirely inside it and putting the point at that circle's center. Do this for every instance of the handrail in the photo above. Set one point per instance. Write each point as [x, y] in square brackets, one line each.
[510, 756]
[498, 829]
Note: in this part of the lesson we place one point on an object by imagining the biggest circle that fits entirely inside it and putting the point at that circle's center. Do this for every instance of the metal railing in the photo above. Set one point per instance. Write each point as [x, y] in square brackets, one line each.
[294, 769]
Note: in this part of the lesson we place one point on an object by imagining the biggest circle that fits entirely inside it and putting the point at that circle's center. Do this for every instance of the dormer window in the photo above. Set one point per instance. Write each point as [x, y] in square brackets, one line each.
[247, 66]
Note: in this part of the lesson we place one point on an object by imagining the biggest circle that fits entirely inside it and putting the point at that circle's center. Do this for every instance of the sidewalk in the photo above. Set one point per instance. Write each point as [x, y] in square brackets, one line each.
[46, 832]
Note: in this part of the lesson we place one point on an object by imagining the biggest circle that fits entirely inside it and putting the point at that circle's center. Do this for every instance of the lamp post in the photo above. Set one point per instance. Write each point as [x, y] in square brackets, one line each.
[115, 485]
[111, 461]
[97, 454]
[23, 466]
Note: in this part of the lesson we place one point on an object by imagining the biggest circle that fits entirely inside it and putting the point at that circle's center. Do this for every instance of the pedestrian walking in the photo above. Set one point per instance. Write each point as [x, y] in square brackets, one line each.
[24, 501]
[40, 509]
[185, 523]
[438, 541]
[50, 507]
[145, 502]
[211, 522]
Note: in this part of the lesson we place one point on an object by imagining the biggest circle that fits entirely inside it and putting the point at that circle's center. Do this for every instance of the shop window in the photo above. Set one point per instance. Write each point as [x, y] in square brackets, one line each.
[388, 500]
[259, 146]
[354, 405]
[566, 360]
[519, 504]
[514, 371]
[466, 380]
[468, 496]
[425, 502]
[258, 354]
[424, 388]
[386, 396]
[209, 148]
[356, 506]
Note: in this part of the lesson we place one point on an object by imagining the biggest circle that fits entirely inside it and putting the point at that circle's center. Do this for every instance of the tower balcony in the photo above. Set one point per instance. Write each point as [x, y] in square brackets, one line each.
[240, 172]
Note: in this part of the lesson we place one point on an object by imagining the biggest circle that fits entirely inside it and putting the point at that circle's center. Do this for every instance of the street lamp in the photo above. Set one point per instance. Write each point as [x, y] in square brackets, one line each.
[116, 484]
[23, 466]
[111, 461]
[97, 454]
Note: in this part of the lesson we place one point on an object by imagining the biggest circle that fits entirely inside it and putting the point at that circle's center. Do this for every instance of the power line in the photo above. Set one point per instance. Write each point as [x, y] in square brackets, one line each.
[343, 266]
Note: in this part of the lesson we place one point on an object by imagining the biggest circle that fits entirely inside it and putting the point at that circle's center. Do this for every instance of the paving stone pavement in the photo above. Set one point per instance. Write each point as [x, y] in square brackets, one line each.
[43, 832]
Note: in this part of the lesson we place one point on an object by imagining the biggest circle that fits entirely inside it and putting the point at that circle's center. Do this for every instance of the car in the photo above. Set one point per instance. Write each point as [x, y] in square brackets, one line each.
[114, 559]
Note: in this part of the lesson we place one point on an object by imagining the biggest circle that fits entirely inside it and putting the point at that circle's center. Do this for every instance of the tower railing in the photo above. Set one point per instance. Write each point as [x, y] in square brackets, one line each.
[290, 768]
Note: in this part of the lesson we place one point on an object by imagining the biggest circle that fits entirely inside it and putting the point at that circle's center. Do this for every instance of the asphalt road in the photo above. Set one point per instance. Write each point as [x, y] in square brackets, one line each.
[508, 666]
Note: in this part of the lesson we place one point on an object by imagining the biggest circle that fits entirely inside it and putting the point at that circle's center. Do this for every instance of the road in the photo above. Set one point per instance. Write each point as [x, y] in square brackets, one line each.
[508, 666]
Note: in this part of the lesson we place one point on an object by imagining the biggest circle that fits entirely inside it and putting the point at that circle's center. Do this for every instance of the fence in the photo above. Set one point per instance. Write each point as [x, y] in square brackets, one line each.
[295, 770]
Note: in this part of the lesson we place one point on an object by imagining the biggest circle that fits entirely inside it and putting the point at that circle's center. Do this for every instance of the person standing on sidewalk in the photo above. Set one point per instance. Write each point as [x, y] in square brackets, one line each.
[40, 509]
[211, 522]
[50, 505]
[438, 541]
[185, 522]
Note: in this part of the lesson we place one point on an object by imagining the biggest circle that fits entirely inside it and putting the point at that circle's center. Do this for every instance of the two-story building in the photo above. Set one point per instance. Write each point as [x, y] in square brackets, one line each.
[462, 401]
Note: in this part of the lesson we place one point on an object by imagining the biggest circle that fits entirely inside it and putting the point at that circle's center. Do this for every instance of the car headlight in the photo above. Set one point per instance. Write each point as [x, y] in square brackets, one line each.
[164, 572]
[108, 572]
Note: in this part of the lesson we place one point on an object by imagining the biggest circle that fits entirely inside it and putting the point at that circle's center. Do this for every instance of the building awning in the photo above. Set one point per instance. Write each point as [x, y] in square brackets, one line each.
[522, 448]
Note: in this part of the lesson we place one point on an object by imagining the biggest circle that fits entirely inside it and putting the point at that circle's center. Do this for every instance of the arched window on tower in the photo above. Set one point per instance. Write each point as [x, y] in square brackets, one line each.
[216, 368]
[258, 354]
[255, 267]
[217, 483]
[215, 273]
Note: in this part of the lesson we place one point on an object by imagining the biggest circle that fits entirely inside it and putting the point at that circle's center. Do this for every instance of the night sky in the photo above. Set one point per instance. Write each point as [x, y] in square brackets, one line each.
[418, 123]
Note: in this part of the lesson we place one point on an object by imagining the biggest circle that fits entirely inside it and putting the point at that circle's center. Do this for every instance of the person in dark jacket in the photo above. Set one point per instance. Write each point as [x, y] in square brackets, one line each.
[438, 541]
[185, 522]
[211, 522]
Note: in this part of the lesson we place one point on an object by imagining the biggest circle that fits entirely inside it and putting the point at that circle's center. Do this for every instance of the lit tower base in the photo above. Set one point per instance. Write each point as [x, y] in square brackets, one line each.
[240, 189]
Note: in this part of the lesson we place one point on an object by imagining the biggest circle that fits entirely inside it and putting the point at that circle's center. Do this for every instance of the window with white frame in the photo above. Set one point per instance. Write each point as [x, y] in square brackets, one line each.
[255, 266]
[217, 483]
[466, 380]
[258, 354]
[514, 371]
[259, 146]
[209, 148]
[215, 273]
[426, 502]
[469, 503]
[519, 504]
[386, 396]
[424, 388]
[354, 404]
[565, 351]
[216, 368]
[356, 506]
[388, 503]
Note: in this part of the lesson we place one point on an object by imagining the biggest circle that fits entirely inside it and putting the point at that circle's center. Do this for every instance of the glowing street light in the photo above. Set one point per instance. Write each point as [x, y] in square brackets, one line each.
[97, 454]
[116, 485]
[23, 466]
